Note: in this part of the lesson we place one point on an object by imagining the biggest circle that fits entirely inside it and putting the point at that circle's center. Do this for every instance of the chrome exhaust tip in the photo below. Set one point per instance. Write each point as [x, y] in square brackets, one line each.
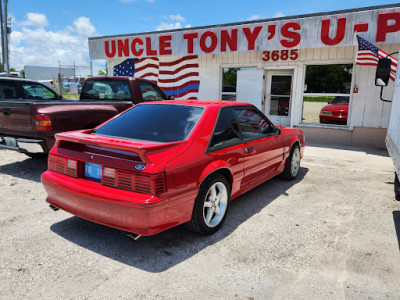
[133, 237]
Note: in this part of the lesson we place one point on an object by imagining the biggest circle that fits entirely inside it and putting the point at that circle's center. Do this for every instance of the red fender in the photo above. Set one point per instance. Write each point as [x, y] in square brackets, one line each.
[211, 168]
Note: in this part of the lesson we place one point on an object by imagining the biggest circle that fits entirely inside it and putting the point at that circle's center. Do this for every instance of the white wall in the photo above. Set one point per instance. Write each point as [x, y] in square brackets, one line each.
[366, 109]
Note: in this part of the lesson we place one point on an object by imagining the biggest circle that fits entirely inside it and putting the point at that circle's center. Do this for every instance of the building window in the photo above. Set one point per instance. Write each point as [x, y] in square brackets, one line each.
[229, 82]
[326, 94]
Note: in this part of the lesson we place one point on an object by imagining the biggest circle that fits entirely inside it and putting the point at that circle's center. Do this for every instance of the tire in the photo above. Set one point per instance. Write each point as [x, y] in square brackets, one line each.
[396, 187]
[292, 166]
[211, 205]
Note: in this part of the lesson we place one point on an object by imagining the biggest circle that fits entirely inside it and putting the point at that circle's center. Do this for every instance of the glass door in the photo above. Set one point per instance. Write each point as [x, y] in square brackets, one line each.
[279, 96]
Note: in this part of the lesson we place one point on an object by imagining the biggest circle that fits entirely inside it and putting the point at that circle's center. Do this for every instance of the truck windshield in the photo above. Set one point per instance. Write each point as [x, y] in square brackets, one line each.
[106, 90]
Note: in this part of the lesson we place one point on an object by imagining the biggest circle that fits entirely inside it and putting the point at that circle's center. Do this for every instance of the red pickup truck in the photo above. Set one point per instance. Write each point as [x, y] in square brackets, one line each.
[31, 113]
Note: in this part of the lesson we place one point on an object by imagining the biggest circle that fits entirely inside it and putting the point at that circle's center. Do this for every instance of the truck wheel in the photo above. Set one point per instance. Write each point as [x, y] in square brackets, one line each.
[211, 205]
[396, 187]
[292, 166]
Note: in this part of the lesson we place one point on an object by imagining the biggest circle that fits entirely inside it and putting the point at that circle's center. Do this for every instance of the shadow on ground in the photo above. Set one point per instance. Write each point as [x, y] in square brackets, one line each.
[367, 150]
[30, 168]
[162, 251]
[396, 219]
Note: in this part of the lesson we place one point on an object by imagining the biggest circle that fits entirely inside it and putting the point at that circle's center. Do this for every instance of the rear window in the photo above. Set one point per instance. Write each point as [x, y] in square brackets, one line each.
[106, 90]
[154, 123]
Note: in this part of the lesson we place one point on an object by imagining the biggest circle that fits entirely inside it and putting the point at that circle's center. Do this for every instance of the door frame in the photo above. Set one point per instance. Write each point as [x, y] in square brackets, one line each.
[279, 120]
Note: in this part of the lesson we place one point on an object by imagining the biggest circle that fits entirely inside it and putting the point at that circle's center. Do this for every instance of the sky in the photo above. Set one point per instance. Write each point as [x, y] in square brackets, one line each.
[53, 32]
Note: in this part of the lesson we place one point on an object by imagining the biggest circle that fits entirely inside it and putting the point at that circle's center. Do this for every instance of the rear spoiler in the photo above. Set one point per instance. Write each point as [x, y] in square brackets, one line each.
[143, 149]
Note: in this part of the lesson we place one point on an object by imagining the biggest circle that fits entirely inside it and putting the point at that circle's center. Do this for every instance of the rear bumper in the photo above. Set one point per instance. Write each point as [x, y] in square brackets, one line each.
[138, 213]
[23, 145]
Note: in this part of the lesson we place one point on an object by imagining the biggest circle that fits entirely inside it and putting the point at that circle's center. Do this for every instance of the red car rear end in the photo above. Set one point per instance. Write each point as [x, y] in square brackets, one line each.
[159, 165]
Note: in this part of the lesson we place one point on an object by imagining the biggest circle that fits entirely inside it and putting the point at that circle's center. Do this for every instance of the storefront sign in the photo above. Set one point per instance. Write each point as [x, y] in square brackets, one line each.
[312, 31]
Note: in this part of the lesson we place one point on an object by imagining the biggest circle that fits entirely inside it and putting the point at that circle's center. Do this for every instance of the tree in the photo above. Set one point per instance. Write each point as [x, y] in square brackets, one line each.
[328, 78]
[230, 76]
[103, 73]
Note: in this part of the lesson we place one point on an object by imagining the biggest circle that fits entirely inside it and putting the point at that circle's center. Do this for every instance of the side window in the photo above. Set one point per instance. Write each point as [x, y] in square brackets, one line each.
[150, 91]
[226, 131]
[33, 90]
[7, 90]
[252, 124]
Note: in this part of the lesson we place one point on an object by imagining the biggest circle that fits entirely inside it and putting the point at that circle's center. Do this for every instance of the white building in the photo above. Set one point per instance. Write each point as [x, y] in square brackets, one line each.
[289, 67]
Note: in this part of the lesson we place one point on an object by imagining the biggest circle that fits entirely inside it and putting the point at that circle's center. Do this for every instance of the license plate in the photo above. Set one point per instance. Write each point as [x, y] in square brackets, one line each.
[93, 170]
[10, 141]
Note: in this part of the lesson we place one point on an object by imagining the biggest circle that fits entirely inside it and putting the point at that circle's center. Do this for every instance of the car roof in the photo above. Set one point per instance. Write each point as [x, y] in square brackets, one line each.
[202, 103]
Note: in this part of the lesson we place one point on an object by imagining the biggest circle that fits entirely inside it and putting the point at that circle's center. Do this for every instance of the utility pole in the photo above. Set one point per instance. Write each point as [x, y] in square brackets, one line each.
[2, 37]
[5, 31]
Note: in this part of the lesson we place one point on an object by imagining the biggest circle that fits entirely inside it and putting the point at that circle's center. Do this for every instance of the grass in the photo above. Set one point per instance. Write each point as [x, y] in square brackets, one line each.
[325, 99]
[70, 95]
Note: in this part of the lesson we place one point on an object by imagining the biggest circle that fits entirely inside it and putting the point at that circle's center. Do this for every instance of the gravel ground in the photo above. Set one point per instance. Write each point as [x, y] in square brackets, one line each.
[334, 233]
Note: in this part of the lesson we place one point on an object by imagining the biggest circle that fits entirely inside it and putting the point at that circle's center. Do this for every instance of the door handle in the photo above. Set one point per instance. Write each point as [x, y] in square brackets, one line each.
[249, 149]
[6, 111]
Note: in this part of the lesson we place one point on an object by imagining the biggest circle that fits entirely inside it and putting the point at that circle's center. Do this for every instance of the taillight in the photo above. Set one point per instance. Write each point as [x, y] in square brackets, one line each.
[43, 123]
[63, 165]
[136, 182]
[143, 183]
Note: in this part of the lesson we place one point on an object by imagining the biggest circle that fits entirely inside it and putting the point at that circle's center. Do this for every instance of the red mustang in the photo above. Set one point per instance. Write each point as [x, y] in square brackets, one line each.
[161, 164]
[335, 112]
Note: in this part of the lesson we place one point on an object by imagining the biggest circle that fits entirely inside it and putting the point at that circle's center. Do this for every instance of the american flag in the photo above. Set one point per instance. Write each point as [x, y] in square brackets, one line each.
[126, 68]
[178, 78]
[368, 55]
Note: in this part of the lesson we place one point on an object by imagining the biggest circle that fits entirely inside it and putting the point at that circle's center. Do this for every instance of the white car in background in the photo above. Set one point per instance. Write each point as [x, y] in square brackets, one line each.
[48, 83]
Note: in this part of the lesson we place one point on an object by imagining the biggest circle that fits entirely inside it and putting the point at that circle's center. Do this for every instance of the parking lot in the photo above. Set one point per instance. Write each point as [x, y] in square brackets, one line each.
[334, 233]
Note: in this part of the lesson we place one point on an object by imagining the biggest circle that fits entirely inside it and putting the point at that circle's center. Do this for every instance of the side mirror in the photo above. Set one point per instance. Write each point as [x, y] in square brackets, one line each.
[272, 130]
[383, 72]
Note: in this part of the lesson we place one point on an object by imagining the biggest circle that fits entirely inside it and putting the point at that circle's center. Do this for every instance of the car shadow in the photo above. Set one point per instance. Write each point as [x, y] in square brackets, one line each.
[30, 168]
[396, 219]
[169, 248]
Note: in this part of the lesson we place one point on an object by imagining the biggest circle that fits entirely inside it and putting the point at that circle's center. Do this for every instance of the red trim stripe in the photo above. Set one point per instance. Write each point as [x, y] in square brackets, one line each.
[367, 64]
[366, 53]
[169, 64]
[143, 59]
[178, 78]
[148, 74]
[146, 66]
[372, 57]
[179, 69]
